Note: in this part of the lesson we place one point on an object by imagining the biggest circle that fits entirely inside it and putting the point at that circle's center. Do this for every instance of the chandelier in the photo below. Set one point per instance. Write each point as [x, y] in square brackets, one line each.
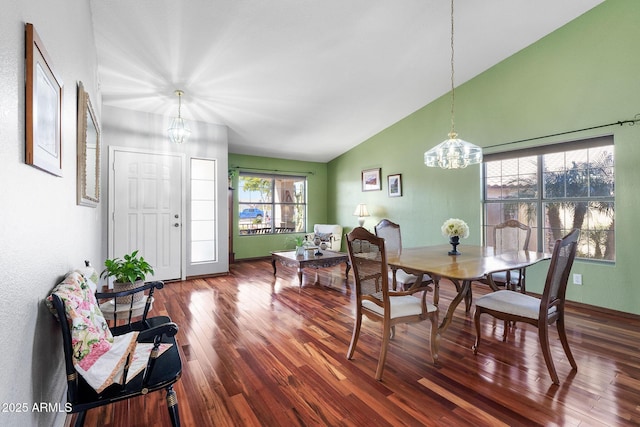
[178, 131]
[453, 153]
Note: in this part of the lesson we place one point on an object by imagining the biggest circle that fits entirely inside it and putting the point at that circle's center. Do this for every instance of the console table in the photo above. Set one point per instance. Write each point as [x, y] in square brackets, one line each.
[309, 259]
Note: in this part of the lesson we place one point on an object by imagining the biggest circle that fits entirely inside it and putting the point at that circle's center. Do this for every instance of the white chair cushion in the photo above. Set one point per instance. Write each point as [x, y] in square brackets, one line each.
[501, 276]
[405, 305]
[512, 303]
[403, 278]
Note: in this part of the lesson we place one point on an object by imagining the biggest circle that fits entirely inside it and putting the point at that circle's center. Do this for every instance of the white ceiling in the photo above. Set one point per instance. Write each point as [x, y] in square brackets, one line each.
[305, 79]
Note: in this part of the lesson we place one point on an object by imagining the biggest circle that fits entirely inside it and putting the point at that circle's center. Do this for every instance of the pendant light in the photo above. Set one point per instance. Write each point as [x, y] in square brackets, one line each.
[178, 131]
[453, 153]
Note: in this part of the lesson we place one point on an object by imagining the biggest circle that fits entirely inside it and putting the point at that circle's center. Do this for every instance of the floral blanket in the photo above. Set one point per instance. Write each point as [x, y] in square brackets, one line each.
[97, 355]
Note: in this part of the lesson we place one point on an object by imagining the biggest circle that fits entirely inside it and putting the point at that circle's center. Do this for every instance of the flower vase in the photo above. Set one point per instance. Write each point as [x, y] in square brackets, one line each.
[455, 241]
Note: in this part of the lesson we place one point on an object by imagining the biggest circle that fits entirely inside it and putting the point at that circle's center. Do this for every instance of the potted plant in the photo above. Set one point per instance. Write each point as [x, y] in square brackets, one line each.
[300, 242]
[128, 273]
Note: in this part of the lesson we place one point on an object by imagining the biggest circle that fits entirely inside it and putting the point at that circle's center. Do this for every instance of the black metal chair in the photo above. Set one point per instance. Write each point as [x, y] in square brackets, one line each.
[161, 371]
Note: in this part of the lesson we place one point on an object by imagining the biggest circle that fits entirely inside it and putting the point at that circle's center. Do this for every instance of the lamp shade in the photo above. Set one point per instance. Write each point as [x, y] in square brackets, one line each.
[454, 153]
[361, 210]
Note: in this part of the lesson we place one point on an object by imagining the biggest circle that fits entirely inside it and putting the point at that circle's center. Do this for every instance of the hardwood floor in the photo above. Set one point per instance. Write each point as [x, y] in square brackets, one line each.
[258, 350]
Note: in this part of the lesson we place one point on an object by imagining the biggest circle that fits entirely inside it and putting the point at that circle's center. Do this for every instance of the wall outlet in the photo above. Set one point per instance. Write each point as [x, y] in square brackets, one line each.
[577, 279]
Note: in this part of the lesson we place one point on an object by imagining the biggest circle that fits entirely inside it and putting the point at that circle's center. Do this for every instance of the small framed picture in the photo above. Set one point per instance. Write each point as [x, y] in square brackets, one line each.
[43, 107]
[395, 185]
[371, 180]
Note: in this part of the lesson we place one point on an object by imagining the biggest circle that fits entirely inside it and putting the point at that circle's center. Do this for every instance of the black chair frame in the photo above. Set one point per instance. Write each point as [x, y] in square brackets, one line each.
[161, 372]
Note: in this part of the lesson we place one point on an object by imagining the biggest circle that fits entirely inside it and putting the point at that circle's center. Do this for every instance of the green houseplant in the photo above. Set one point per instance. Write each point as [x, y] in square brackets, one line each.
[300, 242]
[128, 273]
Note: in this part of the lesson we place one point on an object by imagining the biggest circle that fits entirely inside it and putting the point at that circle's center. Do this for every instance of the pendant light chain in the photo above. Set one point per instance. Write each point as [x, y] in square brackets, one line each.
[453, 92]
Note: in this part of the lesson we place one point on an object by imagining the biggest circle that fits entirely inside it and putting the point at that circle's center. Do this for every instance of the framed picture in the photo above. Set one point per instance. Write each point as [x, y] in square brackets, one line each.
[371, 180]
[44, 107]
[88, 178]
[395, 185]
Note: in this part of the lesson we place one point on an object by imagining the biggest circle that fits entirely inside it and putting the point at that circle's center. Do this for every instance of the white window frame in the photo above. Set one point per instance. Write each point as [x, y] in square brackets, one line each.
[515, 191]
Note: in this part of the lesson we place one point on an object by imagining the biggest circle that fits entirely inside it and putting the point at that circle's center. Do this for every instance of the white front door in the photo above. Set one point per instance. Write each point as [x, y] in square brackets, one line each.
[146, 209]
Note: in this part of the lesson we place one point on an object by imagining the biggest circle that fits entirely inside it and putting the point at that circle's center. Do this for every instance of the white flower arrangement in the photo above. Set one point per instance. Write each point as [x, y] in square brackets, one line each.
[455, 227]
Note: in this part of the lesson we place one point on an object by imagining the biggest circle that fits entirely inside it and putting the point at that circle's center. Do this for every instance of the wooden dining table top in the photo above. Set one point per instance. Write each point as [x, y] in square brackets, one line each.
[474, 262]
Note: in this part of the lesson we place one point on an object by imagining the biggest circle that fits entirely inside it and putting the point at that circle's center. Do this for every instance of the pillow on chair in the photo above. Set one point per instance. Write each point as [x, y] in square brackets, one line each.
[97, 356]
[324, 237]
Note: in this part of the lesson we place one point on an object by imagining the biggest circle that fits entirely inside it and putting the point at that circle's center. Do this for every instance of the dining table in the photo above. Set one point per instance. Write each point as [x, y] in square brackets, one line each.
[473, 263]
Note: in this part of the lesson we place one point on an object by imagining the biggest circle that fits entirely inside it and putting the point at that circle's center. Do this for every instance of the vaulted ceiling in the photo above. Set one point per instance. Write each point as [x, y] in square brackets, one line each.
[305, 79]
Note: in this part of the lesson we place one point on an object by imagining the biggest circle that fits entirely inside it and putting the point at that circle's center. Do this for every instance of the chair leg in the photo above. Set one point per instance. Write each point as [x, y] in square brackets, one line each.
[506, 330]
[565, 344]
[80, 416]
[476, 321]
[543, 333]
[355, 336]
[386, 336]
[172, 405]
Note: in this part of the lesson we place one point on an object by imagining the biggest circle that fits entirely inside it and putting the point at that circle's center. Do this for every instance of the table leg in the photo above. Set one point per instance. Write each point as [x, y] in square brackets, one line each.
[300, 276]
[467, 295]
[468, 300]
[436, 290]
[346, 272]
[462, 294]
[273, 263]
[394, 280]
[492, 284]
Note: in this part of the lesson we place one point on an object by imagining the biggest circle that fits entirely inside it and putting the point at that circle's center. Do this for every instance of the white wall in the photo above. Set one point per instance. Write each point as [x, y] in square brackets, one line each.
[43, 233]
[134, 129]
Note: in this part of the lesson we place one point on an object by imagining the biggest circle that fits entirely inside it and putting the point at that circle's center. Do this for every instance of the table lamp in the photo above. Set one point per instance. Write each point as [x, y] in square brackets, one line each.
[361, 212]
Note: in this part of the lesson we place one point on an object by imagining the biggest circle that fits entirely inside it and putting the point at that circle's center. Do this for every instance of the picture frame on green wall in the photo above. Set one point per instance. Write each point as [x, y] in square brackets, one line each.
[394, 185]
[371, 180]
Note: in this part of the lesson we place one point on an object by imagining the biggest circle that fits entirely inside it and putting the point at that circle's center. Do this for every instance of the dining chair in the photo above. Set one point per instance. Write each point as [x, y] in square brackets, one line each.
[377, 302]
[390, 232]
[510, 235]
[541, 312]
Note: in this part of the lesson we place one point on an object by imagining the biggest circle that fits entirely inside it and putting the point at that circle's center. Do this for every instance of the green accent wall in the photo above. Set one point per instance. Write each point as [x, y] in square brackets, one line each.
[261, 246]
[585, 74]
